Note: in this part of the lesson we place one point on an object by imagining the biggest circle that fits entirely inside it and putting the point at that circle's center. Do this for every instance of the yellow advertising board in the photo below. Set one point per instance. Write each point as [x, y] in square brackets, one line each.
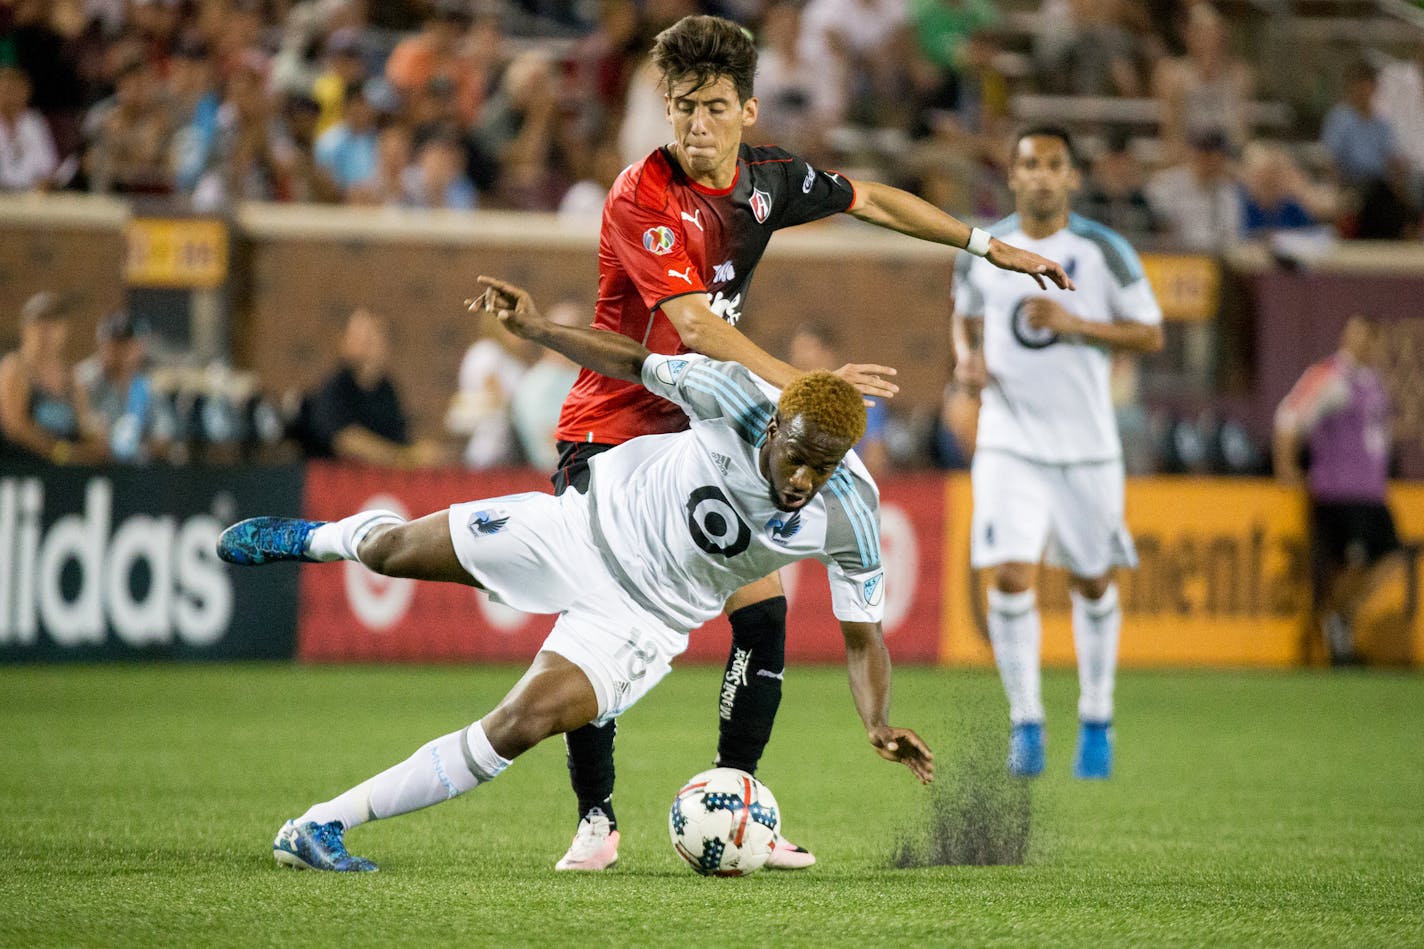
[1389, 629]
[176, 252]
[1187, 287]
[1223, 578]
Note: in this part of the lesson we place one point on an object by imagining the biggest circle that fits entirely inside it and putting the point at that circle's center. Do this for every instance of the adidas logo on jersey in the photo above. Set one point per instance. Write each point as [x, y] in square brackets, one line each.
[721, 461]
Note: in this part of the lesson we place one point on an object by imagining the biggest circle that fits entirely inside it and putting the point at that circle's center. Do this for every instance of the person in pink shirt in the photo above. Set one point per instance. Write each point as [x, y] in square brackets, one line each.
[1339, 411]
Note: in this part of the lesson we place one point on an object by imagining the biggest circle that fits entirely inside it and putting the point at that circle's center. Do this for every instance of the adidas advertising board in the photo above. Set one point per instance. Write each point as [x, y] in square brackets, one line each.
[116, 563]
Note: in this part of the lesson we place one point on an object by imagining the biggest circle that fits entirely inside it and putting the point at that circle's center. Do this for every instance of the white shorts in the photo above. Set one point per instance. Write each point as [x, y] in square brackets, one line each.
[1068, 516]
[535, 553]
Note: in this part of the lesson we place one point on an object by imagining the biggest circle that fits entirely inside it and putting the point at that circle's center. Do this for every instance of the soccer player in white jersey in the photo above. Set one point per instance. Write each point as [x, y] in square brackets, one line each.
[671, 525]
[1047, 471]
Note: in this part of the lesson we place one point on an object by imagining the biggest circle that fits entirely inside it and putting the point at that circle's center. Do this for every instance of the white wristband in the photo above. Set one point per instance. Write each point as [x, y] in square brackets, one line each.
[978, 242]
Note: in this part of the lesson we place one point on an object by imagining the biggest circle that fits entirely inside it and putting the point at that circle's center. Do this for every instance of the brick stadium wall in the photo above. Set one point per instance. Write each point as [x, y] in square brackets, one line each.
[81, 257]
[884, 306]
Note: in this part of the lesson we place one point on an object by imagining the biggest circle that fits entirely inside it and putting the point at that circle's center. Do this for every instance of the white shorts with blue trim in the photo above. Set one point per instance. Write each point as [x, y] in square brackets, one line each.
[535, 553]
[1068, 516]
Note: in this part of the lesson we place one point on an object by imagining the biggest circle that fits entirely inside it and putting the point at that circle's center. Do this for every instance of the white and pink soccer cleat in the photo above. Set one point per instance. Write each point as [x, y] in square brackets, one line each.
[787, 856]
[595, 845]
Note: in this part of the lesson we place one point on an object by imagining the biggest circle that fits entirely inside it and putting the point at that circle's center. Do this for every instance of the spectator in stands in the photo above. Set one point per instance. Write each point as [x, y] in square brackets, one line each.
[356, 415]
[1100, 57]
[1114, 195]
[248, 160]
[517, 133]
[798, 105]
[437, 179]
[345, 74]
[114, 394]
[195, 101]
[1206, 91]
[480, 408]
[601, 167]
[27, 152]
[1198, 201]
[861, 47]
[41, 45]
[1399, 100]
[602, 61]
[386, 185]
[435, 52]
[303, 177]
[813, 347]
[539, 395]
[1276, 194]
[1340, 410]
[1366, 158]
[347, 150]
[38, 416]
[130, 135]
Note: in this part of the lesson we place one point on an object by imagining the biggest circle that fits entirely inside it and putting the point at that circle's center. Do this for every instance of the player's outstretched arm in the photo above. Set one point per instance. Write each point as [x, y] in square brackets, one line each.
[868, 662]
[609, 354]
[901, 211]
[703, 331]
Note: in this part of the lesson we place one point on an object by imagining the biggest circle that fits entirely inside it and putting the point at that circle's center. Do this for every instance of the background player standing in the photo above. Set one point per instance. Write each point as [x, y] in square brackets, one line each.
[1047, 472]
[682, 233]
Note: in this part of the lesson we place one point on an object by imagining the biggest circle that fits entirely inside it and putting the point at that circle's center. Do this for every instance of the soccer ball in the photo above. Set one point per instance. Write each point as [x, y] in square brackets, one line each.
[724, 822]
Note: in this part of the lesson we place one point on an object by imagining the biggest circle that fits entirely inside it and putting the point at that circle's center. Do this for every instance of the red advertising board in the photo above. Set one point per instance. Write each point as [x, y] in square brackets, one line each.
[350, 614]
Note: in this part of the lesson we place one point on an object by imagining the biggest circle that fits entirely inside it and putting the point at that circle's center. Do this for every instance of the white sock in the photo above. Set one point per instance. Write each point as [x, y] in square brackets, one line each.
[1015, 632]
[441, 769]
[339, 540]
[1096, 625]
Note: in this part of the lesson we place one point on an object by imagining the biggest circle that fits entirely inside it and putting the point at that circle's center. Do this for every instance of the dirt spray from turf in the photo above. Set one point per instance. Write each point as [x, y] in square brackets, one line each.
[975, 815]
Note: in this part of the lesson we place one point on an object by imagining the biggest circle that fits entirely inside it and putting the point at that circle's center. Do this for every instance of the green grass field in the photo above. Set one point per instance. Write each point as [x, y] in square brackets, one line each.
[137, 805]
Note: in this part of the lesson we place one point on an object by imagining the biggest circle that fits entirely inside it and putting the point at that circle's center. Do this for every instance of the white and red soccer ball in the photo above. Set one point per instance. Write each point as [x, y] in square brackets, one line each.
[724, 822]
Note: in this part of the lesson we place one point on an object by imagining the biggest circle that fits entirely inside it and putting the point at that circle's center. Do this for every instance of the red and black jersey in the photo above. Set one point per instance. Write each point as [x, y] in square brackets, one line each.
[664, 236]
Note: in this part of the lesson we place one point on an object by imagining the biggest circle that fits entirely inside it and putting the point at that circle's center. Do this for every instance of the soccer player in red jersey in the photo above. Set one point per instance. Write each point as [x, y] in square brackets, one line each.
[682, 233]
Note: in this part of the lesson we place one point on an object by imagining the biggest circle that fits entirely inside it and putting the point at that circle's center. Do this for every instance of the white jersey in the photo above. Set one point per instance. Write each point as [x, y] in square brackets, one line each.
[1047, 398]
[684, 520]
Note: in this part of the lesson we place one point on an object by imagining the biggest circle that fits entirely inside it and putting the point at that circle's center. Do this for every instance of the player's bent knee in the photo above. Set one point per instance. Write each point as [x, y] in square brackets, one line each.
[1014, 577]
[1091, 587]
[515, 727]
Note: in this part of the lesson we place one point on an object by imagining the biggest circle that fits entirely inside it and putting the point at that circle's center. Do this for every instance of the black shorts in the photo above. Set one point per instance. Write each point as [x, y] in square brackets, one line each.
[573, 465]
[1351, 534]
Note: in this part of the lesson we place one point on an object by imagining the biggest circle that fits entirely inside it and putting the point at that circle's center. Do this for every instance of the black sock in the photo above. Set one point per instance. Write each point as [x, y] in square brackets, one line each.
[751, 684]
[590, 756]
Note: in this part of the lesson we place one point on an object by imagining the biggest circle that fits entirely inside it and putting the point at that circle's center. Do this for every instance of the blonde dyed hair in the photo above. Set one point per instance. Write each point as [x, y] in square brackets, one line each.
[827, 401]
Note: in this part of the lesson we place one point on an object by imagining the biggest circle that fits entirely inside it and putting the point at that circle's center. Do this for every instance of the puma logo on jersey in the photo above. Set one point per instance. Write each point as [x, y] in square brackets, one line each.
[694, 217]
[683, 275]
[833, 176]
[810, 180]
[724, 272]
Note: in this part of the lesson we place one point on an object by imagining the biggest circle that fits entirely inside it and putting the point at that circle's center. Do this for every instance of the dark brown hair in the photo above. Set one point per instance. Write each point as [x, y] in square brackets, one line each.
[704, 49]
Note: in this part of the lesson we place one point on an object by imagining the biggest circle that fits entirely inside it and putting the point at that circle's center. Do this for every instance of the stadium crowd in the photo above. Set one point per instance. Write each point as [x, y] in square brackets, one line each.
[536, 105]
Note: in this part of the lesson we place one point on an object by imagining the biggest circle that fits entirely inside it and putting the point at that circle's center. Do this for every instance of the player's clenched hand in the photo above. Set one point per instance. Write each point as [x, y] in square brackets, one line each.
[904, 746]
[1008, 257]
[511, 305]
[869, 379]
[1045, 314]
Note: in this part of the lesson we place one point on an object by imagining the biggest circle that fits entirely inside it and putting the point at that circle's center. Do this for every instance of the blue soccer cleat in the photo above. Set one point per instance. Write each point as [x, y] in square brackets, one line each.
[1026, 750]
[259, 540]
[313, 846]
[1093, 762]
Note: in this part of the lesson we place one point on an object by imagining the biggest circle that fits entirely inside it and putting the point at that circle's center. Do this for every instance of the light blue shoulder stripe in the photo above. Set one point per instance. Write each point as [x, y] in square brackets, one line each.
[737, 404]
[1122, 260]
[1005, 226]
[862, 519]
